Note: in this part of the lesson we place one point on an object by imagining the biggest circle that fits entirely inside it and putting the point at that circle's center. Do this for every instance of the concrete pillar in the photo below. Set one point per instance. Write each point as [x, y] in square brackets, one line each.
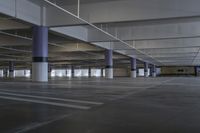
[40, 54]
[5, 73]
[102, 72]
[133, 68]
[72, 71]
[66, 72]
[31, 72]
[25, 73]
[49, 70]
[154, 74]
[89, 72]
[146, 66]
[11, 69]
[109, 64]
[137, 71]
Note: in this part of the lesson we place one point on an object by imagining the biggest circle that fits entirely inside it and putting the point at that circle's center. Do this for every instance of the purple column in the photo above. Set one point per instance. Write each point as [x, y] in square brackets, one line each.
[102, 72]
[49, 70]
[40, 44]
[89, 72]
[109, 64]
[154, 71]
[146, 66]
[109, 60]
[11, 69]
[40, 54]
[72, 71]
[133, 68]
[66, 71]
[11, 66]
[5, 72]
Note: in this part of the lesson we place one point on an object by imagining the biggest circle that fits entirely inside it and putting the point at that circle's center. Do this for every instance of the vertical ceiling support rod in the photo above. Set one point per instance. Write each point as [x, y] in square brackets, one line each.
[78, 9]
[15, 8]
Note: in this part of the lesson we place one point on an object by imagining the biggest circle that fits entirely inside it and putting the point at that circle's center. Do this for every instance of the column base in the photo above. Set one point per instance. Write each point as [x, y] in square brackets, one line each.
[146, 74]
[49, 75]
[11, 74]
[109, 73]
[133, 74]
[72, 75]
[40, 71]
[102, 73]
[154, 74]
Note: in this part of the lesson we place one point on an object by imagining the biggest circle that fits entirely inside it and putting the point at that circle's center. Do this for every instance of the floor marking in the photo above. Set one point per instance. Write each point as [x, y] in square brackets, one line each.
[82, 85]
[110, 84]
[143, 89]
[52, 98]
[46, 102]
[37, 125]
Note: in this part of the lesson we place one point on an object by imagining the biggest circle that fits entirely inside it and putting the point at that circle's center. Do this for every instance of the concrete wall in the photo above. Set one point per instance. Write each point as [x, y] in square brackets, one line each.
[177, 70]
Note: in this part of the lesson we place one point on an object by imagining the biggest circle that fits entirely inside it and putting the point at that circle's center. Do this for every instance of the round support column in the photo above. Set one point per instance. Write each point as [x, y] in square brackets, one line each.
[89, 72]
[146, 67]
[49, 71]
[66, 72]
[72, 71]
[5, 73]
[137, 72]
[40, 54]
[133, 68]
[102, 72]
[154, 71]
[109, 64]
[11, 69]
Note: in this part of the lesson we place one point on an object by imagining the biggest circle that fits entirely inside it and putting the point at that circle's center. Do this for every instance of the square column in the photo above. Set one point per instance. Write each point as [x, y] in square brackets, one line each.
[133, 68]
[146, 67]
[40, 54]
[109, 64]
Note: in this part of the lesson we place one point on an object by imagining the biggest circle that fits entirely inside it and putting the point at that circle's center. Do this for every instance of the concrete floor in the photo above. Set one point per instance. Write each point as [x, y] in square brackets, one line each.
[122, 105]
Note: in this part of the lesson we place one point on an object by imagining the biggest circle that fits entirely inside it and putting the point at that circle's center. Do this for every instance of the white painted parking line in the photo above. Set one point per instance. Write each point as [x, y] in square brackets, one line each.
[84, 85]
[45, 102]
[143, 89]
[52, 98]
[71, 85]
[37, 125]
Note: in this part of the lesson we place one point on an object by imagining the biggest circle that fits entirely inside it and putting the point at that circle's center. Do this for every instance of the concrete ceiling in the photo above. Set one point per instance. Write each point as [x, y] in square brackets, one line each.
[73, 2]
[164, 32]
[16, 45]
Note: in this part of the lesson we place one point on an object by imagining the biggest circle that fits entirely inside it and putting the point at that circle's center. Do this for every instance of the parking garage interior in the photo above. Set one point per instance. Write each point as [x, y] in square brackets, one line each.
[99, 66]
